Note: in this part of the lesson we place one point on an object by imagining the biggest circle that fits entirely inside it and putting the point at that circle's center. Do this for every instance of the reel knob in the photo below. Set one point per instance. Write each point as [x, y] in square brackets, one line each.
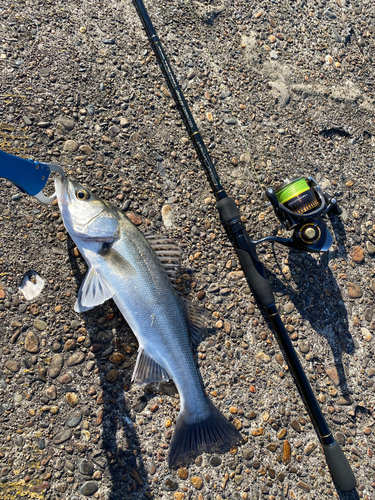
[310, 233]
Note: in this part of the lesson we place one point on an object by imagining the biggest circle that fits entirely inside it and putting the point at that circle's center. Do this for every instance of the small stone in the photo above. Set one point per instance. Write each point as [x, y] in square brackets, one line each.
[51, 392]
[231, 121]
[70, 146]
[12, 366]
[368, 314]
[304, 486]
[183, 473]
[288, 308]
[370, 248]
[39, 487]
[65, 379]
[281, 434]
[86, 149]
[310, 448]
[169, 484]
[67, 123]
[62, 436]
[286, 452]
[366, 334]
[76, 358]
[304, 347]
[295, 424]
[116, 357]
[261, 357]
[112, 376]
[357, 255]
[215, 460]
[136, 219]
[75, 419]
[85, 467]
[238, 479]
[72, 399]
[333, 374]
[40, 325]
[354, 291]
[179, 495]
[197, 482]
[345, 401]
[70, 345]
[89, 488]
[113, 131]
[31, 343]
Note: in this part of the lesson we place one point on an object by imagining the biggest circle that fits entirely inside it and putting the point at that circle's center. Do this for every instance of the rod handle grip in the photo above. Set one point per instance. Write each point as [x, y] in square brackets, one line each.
[339, 467]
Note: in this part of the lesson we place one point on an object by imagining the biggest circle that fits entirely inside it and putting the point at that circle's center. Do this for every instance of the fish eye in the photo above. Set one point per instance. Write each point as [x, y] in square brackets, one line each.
[82, 194]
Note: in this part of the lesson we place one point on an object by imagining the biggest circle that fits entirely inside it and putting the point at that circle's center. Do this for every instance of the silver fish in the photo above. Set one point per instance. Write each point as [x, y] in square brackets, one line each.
[123, 266]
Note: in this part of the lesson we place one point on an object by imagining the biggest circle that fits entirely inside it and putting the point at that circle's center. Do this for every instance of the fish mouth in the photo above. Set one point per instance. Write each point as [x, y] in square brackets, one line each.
[60, 186]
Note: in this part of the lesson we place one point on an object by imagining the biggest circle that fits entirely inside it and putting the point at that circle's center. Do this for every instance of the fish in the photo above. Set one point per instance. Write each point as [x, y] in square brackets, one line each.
[135, 270]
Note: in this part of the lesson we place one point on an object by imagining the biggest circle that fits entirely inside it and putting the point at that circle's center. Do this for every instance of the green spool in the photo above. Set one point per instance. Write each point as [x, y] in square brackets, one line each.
[295, 188]
[297, 196]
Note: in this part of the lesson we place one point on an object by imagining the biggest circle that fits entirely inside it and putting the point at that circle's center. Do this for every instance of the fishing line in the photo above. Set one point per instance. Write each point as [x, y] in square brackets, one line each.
[224, 88]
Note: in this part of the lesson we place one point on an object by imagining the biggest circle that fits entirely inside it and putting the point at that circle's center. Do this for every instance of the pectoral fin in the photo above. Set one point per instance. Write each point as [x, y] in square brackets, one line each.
[117, 260]
[93, 292]
[147, 370]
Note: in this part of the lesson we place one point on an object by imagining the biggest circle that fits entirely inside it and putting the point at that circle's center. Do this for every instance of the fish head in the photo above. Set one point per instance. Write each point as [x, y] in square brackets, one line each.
[85, 215]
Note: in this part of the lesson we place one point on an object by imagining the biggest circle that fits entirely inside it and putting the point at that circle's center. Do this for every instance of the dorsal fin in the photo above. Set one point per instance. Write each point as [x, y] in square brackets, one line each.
[197, 316]
[168, 253]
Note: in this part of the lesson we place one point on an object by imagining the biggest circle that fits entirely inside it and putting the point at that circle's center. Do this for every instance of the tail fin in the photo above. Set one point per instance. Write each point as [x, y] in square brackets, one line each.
[193, 436]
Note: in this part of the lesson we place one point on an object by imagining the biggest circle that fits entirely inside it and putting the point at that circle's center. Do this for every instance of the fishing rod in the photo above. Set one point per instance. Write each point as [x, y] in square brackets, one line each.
[300, 205]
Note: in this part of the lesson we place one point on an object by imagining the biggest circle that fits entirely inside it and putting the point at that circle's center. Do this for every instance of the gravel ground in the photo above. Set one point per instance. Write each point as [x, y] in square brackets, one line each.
[289, 84]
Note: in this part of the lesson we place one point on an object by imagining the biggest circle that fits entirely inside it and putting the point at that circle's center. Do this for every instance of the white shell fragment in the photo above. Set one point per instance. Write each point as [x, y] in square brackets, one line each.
[31, 286]
[167, 216]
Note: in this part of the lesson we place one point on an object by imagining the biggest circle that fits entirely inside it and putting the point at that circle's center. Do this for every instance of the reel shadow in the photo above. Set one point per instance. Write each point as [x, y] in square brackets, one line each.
[318, 299]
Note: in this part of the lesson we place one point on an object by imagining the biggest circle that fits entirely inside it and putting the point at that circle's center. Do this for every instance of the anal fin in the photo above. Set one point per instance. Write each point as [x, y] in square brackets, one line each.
[147, 370]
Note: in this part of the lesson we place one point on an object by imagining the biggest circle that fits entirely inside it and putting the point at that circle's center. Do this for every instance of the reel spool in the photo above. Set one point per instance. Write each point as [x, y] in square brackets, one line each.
[300, 205]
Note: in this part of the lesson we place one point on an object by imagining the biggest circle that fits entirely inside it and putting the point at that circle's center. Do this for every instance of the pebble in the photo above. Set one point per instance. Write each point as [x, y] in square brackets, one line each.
[183, 473]
[40, 325]
[89, 488]
[287, 452]
[55, 365]
[31, 343]
[357, 255]
[169, 484]
[62, 436]
[345, 401]
[85, 467]
[75, 419]
[333, 374]
[310, 447]
[72, 399]
[51, 392]
[12, 366]
[90, 109]
[370, 248]
[304, 486]
[288, 308]
[70, 146]
[295, 424]
[76, 358]
[67, 123]
[215, 460]
[354, 291]
[230, 121]
[197, 482]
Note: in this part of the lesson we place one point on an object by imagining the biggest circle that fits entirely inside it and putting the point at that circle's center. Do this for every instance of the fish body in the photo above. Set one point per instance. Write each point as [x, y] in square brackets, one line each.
[123, 266]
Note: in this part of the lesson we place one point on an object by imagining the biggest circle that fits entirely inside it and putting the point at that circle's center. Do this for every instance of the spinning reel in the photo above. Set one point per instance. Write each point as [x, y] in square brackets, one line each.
[300, 205]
